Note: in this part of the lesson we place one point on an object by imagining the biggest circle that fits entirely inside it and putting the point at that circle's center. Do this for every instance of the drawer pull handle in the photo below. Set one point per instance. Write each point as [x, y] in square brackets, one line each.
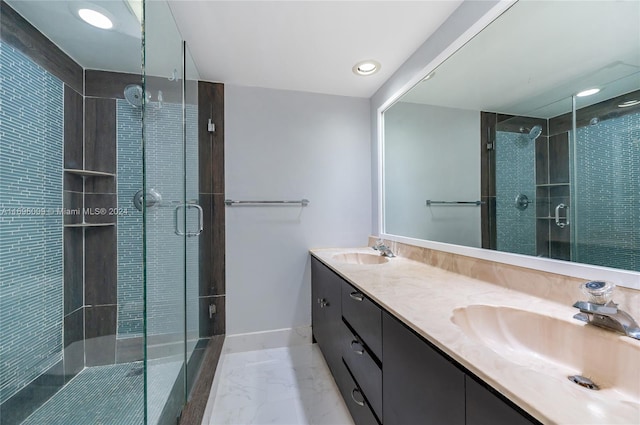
[323, 302]
[353, 397]
[361, 351]
[357, 296]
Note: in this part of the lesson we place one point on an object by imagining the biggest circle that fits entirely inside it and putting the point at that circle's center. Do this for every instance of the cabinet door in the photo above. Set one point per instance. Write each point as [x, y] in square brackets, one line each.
[484, 408]
[420, 386]
[326, 314]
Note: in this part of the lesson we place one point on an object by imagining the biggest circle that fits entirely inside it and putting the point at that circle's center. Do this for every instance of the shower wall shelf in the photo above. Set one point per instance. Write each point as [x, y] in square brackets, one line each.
[88, 173]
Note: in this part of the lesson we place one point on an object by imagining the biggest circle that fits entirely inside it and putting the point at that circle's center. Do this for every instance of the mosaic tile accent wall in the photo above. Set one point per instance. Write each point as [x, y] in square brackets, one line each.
[515, 174]
[31, 281]
[607, 185]
[130, 226]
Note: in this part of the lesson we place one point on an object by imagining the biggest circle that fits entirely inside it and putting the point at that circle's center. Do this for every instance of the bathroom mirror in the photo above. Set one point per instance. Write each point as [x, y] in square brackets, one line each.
[493, 149]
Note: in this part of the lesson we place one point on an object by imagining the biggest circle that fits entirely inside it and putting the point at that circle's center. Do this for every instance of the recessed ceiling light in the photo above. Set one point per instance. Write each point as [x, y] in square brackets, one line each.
[588, 92]
[367, 67]
[629, 103]
[95, 18]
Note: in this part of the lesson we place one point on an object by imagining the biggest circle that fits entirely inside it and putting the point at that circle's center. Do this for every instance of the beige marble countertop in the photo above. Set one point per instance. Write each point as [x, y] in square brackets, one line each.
[424, 298]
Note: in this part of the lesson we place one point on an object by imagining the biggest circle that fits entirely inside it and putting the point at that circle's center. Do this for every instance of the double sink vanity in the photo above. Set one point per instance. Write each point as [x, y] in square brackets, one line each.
[409, 342]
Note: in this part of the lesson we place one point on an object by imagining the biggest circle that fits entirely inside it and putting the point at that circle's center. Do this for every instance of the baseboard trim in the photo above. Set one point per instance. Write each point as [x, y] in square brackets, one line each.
[267, 339]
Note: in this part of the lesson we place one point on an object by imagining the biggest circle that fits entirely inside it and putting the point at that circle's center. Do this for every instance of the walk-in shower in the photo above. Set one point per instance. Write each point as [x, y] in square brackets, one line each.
[98, 299]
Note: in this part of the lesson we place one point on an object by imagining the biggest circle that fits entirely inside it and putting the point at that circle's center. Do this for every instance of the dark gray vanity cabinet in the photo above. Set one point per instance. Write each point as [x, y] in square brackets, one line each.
[387, 373]
[326, 313]
[420, 385]
[483, 407]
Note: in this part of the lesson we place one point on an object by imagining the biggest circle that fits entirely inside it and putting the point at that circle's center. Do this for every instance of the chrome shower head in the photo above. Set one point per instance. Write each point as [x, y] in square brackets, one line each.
[133, 95]
[532, 133]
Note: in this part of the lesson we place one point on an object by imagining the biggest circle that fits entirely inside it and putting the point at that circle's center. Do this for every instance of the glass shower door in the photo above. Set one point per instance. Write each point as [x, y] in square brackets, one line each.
[165, 212]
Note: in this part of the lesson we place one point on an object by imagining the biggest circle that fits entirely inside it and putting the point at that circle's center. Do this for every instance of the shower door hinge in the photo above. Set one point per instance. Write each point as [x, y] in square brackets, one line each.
[212, 310]
[489, 146]
[211, 127]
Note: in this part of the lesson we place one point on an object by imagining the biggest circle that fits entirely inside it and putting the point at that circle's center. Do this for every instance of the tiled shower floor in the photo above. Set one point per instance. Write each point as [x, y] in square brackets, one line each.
[109, 395]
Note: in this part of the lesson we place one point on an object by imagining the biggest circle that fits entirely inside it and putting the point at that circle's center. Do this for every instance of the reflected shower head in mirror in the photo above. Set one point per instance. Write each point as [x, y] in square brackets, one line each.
[133, 95]
[532, 133]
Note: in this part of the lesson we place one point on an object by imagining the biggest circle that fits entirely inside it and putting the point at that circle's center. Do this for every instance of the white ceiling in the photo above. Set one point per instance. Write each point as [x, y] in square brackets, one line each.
[305, 45]
[293, 45]
[110, 50]
[532, 59]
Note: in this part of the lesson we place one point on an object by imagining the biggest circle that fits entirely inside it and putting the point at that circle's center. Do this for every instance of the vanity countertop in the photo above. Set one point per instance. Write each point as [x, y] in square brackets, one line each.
[425, 298]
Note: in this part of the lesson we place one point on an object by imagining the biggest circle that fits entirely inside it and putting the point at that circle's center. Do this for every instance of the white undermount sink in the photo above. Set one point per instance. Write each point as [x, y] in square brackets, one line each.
[558, 348]
[360, 258]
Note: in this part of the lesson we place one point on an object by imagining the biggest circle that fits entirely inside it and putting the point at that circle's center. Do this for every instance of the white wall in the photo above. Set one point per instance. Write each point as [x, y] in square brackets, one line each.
[422, 143]
[465, 18]
[290, 145]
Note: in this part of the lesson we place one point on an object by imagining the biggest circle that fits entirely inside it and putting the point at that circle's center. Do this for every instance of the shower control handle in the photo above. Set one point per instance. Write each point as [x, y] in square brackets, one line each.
[566, 218]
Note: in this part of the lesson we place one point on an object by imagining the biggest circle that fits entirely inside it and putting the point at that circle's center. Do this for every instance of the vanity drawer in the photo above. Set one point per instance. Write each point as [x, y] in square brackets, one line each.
[353, 398]
[364, 369]
[364, 317]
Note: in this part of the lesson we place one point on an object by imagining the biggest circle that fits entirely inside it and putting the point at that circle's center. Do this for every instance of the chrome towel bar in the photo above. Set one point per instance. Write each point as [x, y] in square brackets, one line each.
[476, 203]
[302, 202]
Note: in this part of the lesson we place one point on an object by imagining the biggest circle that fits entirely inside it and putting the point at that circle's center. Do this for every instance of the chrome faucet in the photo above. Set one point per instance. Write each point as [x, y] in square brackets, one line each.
[384, 250]
[601, 311]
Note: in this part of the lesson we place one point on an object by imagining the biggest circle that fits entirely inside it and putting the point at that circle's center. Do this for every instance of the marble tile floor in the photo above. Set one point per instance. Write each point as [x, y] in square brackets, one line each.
[283, 386]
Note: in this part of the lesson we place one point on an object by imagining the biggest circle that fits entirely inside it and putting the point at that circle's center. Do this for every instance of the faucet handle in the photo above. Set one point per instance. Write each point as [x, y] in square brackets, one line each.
[598, 291]
[379, 245]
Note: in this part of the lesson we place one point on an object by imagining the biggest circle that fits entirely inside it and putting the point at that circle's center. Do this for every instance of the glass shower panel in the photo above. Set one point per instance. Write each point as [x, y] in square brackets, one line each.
[606, 153]
[165, 213]
[194, 213]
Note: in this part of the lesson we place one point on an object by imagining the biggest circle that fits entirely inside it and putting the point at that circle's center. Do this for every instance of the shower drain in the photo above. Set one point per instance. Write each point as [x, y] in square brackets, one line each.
[583, 382]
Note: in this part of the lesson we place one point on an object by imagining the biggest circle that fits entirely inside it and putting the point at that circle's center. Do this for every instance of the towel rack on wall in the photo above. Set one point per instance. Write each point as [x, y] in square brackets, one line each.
[476, 203]
[230, 203]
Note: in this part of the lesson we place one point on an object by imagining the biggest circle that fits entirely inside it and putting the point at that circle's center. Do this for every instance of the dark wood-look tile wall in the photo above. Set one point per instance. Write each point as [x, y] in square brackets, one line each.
[16, 31]
[488, 122]
[559, 158]
[73, 344]
[100, 135]
[216, 324]
[107, 84]
[101, 269]
[73, 277]
[211, 181]
[100, 335]
[73, 126]
[542, 160]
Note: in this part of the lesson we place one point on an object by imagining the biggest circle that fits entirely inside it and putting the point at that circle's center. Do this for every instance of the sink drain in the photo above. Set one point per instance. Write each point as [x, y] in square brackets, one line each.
[583, 382]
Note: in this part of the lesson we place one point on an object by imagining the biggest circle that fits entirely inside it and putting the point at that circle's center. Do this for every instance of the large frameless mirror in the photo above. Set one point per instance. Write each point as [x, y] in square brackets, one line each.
[500, 147]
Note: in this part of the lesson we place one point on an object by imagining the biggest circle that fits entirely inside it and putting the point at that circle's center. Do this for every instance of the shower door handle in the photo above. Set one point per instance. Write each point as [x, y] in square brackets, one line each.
[200, 220]
[566, 221]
